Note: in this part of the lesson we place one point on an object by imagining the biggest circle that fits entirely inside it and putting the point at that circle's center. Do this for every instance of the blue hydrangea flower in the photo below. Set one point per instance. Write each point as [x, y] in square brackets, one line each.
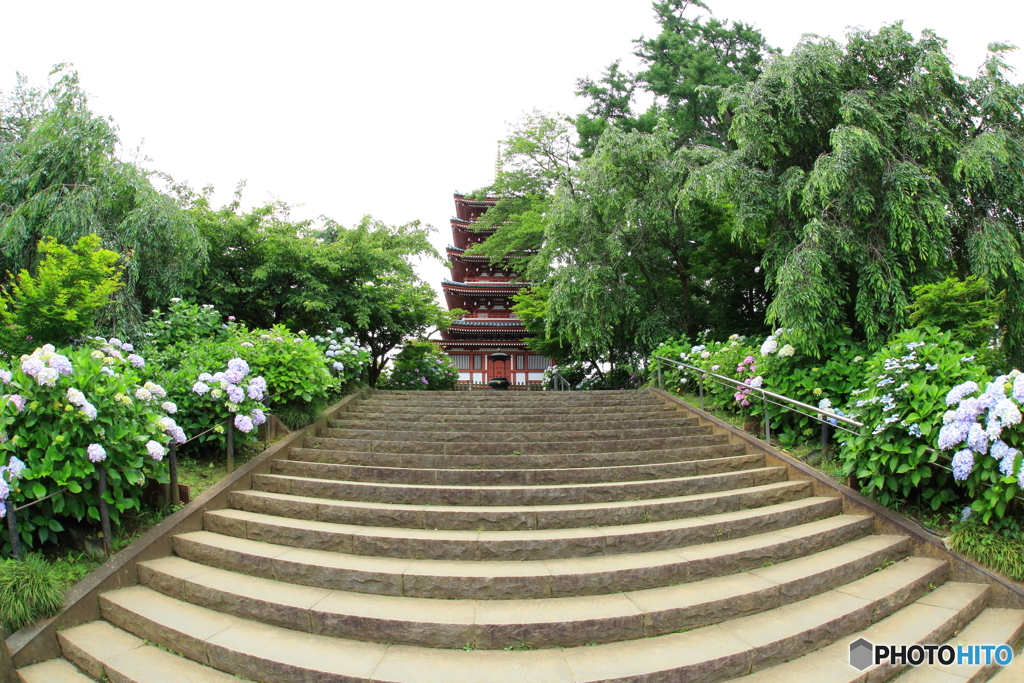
[963, 463]
[960, 391]
[952, 434]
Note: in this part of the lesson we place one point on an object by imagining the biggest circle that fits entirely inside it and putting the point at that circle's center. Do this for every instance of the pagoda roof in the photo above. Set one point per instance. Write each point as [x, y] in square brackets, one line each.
[483, 287]
[484, 343]
[489, 200]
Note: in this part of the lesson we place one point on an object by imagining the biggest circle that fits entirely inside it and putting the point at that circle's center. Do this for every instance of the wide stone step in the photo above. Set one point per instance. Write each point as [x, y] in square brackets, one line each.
[490, 394]
[488, 417]
[531, 544]
[422, 494]
[511, 518]
[505, 437]
[521, 447]
[486, 411]
[516, 477]
[53, 671]
[265, 652]
[931, 619]
[455, 399]
[555, 622]
[318, 450]
[492, 426]
[994, 626]
[1013, 673]
[110, 653]
[545, 575]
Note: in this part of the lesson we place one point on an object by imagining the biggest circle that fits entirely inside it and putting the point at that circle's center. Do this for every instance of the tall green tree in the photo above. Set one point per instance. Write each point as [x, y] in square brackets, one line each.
[868, 168]
[60, 177]
[267, 269]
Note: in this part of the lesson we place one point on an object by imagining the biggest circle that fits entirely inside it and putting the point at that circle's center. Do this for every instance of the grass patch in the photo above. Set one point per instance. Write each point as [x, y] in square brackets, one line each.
[997, 551]
[30, 589]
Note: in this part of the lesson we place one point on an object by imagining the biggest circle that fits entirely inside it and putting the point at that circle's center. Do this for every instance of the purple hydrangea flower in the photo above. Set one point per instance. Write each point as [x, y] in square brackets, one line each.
[107, 371]
[137, 360]
[169, 408]
[238, 365]
[18, 400]
[15, 467]
[968, 410]
[977, 439]
[200, 388]
[258, 382]
[96, 452]
[47, 377]
[178, 434]
[5, 376]
[61, 364]
[89, 411]
[234, 376]
[235, 394]
[957, 393]
[4, 492]
[952, 434]
[75, 397]
[258, 417]
[244, 423]
[144, 394]
[255, 393]
[156, 450]
[114, 341]
[206, 377]
[32, 366]
[963, 462]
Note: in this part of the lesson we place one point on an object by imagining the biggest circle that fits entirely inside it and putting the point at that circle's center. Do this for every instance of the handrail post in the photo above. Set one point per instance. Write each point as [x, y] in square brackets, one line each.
[661, 382]
[108, 545]
[767, 421]
[700, 390]
[172, 465]
[12, 529]
[230, 465]
[824, 440]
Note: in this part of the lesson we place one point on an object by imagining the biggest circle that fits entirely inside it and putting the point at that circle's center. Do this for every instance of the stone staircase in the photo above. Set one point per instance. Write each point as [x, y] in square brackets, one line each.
[505, 537]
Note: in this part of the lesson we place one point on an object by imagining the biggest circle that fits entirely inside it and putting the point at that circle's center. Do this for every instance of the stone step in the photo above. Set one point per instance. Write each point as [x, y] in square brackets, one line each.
[514, 477]
[490, 417]
[491, 426]
[53, 671]
[555, 396]
[423, 494]
[526, 435]
[1014, 672]
[417, 398]
[531, 544]
[555, 622]
[931, 619]
[524, 579]
[318, 450]
[709, 654]
[518, 517]
[110, 653]
[586, 413]
[993, 626]
[521, 447]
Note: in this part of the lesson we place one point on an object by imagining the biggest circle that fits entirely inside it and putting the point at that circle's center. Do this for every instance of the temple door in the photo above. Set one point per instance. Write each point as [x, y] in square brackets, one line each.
[499, 368]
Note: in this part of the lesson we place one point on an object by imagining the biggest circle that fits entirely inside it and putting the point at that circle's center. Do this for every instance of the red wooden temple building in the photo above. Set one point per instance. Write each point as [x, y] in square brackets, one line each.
[485, 291]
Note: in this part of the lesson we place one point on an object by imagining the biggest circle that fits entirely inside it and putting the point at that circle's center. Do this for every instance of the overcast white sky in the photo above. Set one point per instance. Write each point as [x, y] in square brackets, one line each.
[348, 108]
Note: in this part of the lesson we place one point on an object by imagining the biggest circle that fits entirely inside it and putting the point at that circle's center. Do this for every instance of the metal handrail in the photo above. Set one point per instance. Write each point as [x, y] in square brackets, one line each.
[816, 413]
[562, 383]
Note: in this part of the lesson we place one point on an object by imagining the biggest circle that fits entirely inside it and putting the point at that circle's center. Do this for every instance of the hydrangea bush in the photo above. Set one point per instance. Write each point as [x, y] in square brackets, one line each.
[422, 366]
[346, 359]
[979, 427]
[64, 413]
[734, 358]
[901, 402]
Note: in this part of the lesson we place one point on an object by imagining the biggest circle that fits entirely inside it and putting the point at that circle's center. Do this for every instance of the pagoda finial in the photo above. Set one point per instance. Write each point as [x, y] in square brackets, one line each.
[497, 165]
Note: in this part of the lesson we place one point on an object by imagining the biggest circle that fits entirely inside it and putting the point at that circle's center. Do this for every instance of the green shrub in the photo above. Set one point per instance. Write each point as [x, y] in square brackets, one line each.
[734, 358]
[1000, 551]
[962, 308]
[901, 403]
[62, 414]
[61, 301]
[30, 590]
[422, 366]
[826, 381]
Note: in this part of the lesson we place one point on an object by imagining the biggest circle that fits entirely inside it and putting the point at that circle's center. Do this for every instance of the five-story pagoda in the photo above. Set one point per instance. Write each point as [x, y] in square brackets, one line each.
[485, 291]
